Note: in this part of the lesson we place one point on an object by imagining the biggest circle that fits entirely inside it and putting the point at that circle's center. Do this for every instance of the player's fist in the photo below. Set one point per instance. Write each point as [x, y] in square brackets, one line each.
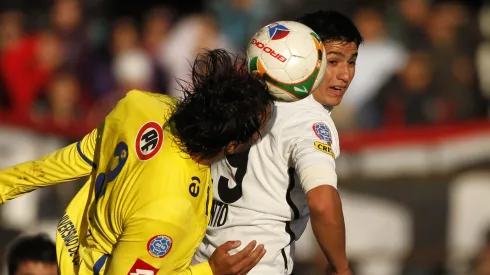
[222, 263]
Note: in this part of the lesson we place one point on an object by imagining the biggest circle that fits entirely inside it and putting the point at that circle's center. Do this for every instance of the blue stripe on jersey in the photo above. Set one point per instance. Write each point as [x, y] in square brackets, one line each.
[84, 157]
[99, 264]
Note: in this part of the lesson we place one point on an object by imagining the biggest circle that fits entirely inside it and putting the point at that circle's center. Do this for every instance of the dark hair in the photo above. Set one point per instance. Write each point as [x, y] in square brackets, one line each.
[223, 103]
[37, 248]
[332, 26]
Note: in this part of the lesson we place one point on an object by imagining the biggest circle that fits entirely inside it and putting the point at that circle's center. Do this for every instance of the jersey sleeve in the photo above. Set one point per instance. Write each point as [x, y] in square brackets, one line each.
[155, 240]
[69, 163]
[311, 146]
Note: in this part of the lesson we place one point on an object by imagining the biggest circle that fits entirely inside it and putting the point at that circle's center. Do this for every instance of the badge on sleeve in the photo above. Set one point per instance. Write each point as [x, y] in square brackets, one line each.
[322, 132]
[325, 148]
[159, 246]
[140, 267]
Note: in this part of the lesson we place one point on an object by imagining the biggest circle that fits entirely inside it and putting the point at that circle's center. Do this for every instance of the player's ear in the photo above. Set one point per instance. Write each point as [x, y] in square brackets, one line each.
[231, 147]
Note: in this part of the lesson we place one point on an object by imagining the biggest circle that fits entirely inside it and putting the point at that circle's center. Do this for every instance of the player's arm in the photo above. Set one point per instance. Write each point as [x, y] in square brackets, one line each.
[327, 222]
[69, 163]
[313, 157]
[156, 240]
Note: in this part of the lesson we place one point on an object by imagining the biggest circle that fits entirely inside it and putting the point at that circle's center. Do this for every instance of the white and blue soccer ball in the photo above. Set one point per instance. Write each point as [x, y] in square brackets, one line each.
[290, 57]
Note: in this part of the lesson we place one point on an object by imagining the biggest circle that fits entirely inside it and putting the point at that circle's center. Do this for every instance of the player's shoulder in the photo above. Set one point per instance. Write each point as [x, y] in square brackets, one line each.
[166, 154]
[307, 107]
[306, 114]
[147, 102]
[151, 96]
[140, 110]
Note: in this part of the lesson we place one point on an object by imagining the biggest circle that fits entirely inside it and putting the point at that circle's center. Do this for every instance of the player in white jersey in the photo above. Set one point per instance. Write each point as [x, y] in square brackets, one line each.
[269, 192]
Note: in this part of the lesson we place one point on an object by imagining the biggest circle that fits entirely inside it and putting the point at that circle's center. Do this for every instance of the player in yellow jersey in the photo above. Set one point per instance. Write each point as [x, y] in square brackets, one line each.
[146, 206]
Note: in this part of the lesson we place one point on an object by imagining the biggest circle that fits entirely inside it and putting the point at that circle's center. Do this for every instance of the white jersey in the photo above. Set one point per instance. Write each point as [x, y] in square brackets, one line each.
[271, 207]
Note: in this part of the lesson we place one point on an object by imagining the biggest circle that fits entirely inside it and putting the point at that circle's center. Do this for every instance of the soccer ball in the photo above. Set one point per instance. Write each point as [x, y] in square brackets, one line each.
[290, 57]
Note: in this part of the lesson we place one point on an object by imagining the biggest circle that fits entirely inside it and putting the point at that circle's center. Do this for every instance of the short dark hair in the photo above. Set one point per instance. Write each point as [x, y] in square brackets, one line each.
[223, 103]
[332, 26]
[37, 248]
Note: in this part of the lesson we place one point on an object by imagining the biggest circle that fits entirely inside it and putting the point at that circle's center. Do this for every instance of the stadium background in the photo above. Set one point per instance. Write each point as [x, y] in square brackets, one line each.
[414, 126]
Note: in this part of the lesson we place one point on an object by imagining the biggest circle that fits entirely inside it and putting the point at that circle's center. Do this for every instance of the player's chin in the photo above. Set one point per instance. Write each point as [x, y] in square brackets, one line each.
[334, 100]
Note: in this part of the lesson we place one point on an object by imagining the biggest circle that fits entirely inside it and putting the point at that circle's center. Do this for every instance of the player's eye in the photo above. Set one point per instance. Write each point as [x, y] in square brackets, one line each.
[352, 62]
[332, 62]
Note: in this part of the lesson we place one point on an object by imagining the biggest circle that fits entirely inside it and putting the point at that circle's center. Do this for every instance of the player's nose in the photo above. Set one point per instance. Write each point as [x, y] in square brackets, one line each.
[343, 74]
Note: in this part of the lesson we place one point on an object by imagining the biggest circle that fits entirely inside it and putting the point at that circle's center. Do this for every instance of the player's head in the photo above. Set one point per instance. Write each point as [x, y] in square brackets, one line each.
[341, 39]
[223, 108]
[32, 255]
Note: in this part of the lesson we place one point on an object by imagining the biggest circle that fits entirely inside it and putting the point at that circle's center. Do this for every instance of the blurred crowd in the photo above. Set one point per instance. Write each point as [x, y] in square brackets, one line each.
[66, 62]
[418, 65]
[62, 66]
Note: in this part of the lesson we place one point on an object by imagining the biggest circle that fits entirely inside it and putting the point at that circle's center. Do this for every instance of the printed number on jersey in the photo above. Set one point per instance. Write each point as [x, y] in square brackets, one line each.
[227, 194]
[231, 195]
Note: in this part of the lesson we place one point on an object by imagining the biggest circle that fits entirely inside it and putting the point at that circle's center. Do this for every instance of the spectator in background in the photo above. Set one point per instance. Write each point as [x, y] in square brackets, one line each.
[408, 98]
[11, 31]
[124, 37]
[133, 69]
[11, 28]
[130, 67]
[409, 22]
[32, 255]
[188, 38]
[156, 26]
[483, 54]
[61, 105]
[451, 50]
[26, 67]
[238, 20]
[67, 22]
[379, 59]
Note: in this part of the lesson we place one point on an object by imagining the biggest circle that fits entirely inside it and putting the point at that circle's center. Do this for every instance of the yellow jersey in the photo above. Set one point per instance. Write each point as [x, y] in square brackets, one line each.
[145, 207]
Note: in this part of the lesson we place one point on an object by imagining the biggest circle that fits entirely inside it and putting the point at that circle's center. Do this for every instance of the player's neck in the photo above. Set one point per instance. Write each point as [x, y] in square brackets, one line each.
[319, 99]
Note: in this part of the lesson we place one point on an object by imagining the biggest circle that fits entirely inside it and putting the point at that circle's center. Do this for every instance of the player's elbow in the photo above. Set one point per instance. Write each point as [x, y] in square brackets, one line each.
[323, 200]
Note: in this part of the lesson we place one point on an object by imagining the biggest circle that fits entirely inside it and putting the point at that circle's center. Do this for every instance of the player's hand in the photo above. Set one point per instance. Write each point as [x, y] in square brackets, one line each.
[222, 263]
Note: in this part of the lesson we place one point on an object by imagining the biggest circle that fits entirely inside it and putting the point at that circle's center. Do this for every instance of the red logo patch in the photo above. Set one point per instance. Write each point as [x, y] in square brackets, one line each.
[140, 267]
[149, 140]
